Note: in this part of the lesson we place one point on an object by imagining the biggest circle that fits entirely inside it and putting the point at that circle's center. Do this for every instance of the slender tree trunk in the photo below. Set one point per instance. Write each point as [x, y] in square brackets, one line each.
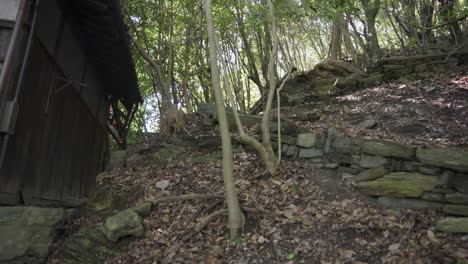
[234, 212]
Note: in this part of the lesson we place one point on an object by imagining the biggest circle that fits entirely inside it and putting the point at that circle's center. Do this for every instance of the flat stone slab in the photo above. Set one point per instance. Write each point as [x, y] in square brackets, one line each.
[457, 198]
[453, 225]
[347, 145]
[372, 161]
[388, 149]
[402, 203]
[456, 209]
[447, 158]
[306, 140]
[399, 184]
[310, 153]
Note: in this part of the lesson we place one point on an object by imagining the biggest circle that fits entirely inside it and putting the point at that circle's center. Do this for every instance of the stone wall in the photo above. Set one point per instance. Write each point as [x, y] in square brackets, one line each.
[400, 176]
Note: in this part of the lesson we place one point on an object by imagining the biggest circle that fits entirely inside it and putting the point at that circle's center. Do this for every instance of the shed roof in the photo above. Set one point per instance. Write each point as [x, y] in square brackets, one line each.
[100, 28]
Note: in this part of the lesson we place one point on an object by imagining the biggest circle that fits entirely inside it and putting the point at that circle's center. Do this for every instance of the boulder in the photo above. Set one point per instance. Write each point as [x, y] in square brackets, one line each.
[433, 197]
[116, 159]
[457, 198]
[368, 162]
[399, 184]
[310, 153]
[388, 149]
[415, 204]
[456, 209]
[447, 158]
[123, 224]
[306, 140]
[372, 174]
[453, 225]
[168, 155]
[86, 246]
[246, 119]
[27, 233]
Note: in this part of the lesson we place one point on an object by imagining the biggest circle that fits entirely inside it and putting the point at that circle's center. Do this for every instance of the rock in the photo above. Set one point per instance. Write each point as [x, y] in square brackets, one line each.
[433, 197]
[167, 155]
[292, 151]
[447, 158]
[27, 233]
[374, 79]
[368, 162]
[453, 225]
[325, 90]
[295, 99]
[163, 184]
[399, 184]
[86, 246]
[387, 148]
[247, 120]
[306, 140]
[134, 161]
[116, 159]
[446, 180]
[372, 174]
[348, 170]
[125, 223]
[457, 198]
[460, 183]
[284, 148]
[285, 139]
[332, 166]
[410, 166]
[456, 209]
[346, 159]
[143, 209]
[347, 145]
[330, 141]
[310, 153]
[103, 176]
[369, 123]
[429, 170]
[401, 203]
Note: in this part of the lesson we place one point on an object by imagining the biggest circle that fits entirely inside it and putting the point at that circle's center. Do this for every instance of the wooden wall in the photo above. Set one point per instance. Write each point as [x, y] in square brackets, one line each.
[60, 136]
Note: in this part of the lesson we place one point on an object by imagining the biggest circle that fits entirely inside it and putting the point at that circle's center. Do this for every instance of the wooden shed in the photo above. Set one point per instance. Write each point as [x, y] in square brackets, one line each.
[67, 78]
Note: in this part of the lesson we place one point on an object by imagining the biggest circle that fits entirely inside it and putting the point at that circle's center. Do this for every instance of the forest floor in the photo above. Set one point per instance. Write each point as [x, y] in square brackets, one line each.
[431, 112]
[303, 214]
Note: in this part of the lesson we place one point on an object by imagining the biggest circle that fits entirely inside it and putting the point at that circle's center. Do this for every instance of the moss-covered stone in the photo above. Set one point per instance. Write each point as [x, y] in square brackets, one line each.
[400, 184]
[86, 246]
[456, 209]
[125, 223]
[447, 158]
[143, 209]
[388, 149]
[372, 174]
[453, 225]
[457, 198]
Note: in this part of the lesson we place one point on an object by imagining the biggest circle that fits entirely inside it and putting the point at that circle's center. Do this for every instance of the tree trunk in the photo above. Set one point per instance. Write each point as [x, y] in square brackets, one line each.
[234, 212]
[336, 39]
